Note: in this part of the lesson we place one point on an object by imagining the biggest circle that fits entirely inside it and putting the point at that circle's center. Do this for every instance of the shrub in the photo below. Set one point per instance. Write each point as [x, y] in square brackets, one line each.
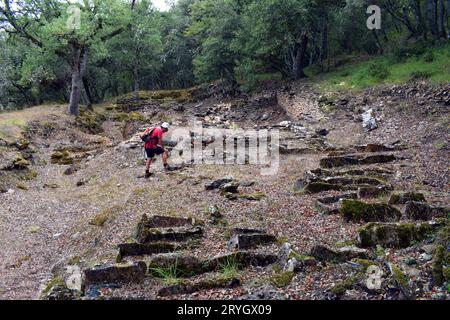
[429, 56]
[378, 71]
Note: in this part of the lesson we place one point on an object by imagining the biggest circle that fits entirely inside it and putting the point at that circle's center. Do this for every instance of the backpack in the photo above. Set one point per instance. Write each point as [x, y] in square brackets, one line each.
[147, 137]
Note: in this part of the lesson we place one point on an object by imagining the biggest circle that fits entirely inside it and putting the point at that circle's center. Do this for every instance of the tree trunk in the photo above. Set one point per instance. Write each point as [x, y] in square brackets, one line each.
[78, 70]
[136, 86]
[378, 42]
[324, 44]
[442, 14]
[87, 95]
[418, 15]
[300, 56]
[448, 18]
[432, 17]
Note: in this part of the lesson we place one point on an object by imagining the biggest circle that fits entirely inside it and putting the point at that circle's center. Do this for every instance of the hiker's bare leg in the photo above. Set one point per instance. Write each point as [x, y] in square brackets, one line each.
[149, 162]
[165, 158]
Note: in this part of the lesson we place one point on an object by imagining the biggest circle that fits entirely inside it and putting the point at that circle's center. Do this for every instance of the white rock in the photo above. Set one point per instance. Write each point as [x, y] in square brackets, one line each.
[369, 121]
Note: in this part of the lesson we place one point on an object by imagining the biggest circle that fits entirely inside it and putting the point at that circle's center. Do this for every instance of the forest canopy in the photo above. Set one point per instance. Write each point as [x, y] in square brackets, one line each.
[83, 52]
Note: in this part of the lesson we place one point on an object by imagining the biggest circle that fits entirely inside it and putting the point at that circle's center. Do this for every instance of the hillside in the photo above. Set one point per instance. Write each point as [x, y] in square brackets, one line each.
[346, 201]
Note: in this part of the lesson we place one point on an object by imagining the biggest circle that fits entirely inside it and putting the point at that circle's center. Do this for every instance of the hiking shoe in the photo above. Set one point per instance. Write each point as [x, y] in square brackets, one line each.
[148, 175]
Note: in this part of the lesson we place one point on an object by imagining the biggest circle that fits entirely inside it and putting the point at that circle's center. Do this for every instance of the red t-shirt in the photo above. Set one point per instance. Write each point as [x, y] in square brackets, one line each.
[156, 136]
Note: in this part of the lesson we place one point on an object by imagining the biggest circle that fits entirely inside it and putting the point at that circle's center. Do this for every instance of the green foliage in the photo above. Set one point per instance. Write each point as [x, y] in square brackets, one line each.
[242, 41]
[365, 74]
[229, 269]
[169, 275]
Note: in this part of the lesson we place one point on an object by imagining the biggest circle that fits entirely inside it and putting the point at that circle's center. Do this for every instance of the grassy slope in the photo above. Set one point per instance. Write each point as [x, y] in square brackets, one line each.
[387, 69]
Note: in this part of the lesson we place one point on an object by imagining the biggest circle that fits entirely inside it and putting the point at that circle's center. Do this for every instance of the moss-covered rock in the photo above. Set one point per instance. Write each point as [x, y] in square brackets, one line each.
[29, 175]
[365, 263]
[400, 277]
[438, 263]
[423, 211]
[354, 210]
[20, 163]
[176, 264]
[22, 144]
[116, 273]
[342, 286]
[340, 161]
[99, 219]
[371, 192]
[317, 187]
[393, 235]
[340, 255]
[22, 186]
[90, 121]
[282, 279]
[129, 117]
[403, 198]
[257, 196]
[138, 249]
[56, 289]
[191, 287]
[62, 158]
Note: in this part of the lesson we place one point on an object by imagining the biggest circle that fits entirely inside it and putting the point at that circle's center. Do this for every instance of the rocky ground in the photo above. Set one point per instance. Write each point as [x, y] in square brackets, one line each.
[357, 210]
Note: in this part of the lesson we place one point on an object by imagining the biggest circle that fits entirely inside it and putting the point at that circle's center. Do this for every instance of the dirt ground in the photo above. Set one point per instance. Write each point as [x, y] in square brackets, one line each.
[49, 222]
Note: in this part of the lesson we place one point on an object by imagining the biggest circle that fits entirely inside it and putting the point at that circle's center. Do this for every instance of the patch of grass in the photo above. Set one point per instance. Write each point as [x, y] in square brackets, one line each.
[230, 269]
[434, 66]
[282, 240]
[56, 281]
[139, 191]
[169, 274]
[345, 243]
[13, 122]
[34, 229]
[102, 217]
[74, 260]
[22, 186]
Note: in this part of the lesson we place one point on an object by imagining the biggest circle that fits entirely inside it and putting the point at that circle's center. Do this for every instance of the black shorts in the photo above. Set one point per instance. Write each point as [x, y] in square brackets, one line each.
[151, 153]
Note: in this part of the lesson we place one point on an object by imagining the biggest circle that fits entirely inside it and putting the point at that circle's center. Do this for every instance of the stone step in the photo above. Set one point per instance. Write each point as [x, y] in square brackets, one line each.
[318, 187]
[348, 180]
[374, 147]
[323, 253]
[189, 266]
[218, 183]
[157, 221]
[188, 287]
[244, 230]
[349, 160]
[116, 273]
[242, 259]
[176, 264]
[250, 241]
[139, 249]
[370, 192]
[369, 172]
[404, 197]
[357, 211]
[330, 205]
[415, 210]
[394, 235]
[179, 234]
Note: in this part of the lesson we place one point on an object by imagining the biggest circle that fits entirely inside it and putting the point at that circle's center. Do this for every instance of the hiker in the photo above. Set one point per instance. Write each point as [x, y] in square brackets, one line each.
[153, 138]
